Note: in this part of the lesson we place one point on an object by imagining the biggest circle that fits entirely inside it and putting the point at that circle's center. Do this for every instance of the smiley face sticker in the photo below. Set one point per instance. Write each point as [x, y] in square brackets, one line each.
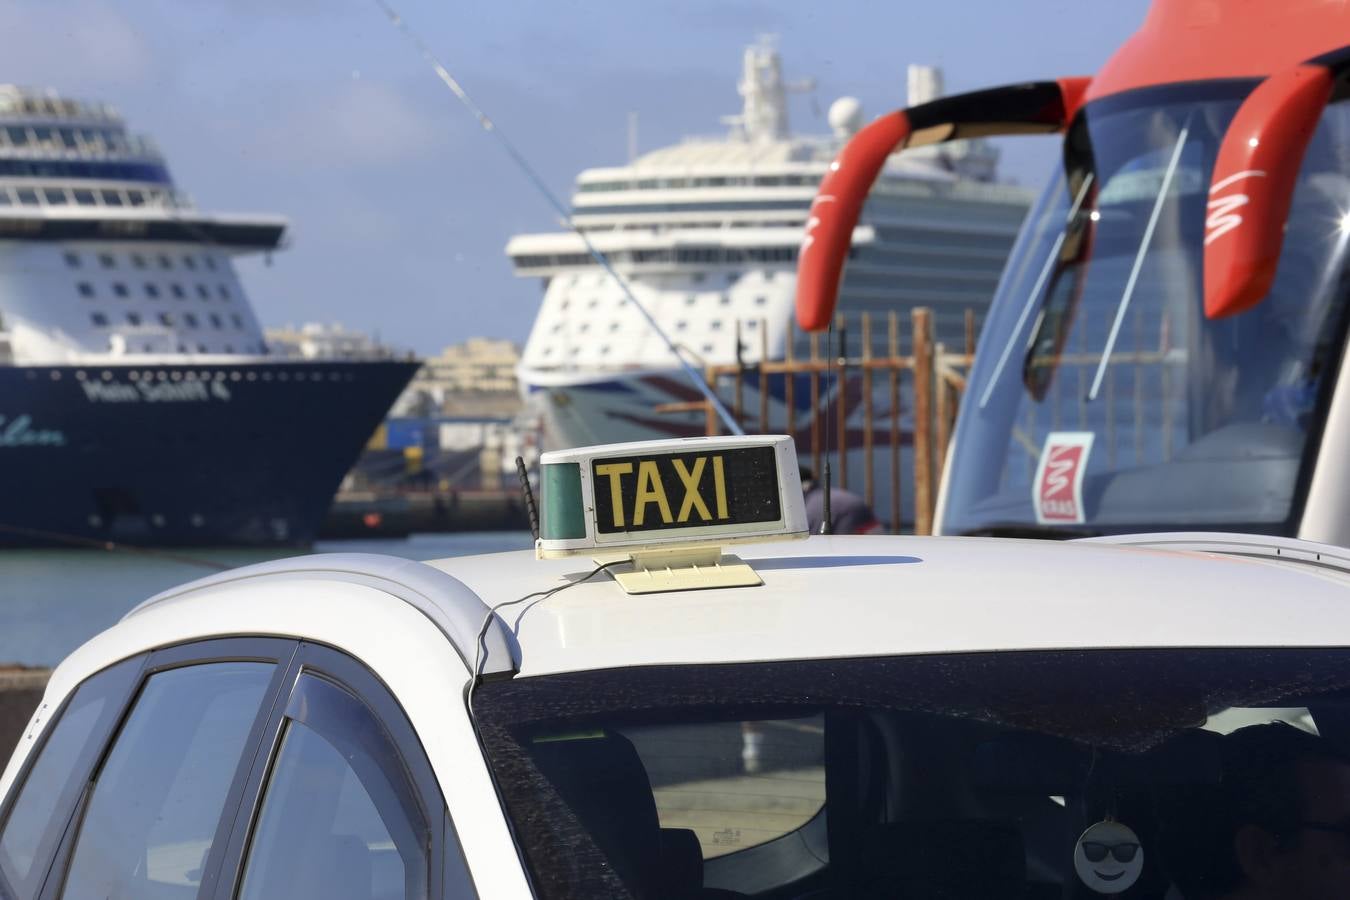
[1108, 857]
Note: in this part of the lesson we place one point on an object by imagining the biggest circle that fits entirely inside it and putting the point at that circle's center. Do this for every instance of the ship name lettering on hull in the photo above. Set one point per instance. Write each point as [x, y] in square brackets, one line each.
[19, 432]
[155, 392]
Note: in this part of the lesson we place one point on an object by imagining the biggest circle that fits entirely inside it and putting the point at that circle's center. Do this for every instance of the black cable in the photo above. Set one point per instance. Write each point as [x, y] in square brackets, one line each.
[480, 644]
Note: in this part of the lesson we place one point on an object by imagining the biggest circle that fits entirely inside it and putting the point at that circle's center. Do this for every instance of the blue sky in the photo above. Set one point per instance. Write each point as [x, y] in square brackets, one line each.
[400, 206]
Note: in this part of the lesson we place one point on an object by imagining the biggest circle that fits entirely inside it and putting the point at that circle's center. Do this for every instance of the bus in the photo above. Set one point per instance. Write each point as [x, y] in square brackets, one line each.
[1164, 349]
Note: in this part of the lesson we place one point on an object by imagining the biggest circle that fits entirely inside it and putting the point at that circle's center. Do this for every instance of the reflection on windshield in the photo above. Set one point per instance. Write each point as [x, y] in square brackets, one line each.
[1130, 409]
[965, 776]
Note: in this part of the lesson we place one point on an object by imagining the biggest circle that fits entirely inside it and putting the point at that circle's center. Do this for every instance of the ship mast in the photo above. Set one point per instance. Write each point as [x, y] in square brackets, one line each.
[764, 111]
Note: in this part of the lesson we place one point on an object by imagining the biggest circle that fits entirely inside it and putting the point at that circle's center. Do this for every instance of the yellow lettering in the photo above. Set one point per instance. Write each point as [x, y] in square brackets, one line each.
[615, 471]
[649, 490]
[720, 484]
[691, 498]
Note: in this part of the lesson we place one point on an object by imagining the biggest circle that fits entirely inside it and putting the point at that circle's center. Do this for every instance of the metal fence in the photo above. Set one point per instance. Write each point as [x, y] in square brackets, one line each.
[865, 396]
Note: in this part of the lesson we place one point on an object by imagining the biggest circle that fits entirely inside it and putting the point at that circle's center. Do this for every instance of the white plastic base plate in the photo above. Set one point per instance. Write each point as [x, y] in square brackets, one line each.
[681, 570]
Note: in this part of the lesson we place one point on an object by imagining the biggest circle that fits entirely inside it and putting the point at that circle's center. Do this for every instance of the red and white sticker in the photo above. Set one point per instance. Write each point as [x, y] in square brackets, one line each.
[1058, 490]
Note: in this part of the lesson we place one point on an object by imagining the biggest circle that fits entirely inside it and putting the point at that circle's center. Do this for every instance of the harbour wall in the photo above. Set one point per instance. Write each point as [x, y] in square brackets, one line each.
[20, 691]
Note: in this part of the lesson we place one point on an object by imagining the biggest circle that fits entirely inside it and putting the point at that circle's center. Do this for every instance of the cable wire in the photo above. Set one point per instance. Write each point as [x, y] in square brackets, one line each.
[534, 178]
[480, 643]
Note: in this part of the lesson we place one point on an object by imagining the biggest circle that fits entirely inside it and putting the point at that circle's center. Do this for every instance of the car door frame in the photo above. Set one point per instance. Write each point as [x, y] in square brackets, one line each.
[445, 855]
[281, 652]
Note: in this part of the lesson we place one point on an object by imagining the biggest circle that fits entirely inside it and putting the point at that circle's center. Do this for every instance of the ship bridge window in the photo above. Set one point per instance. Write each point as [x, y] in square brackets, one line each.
[177, 290]
[133, 318]
[5, 199]
[98, 319]
[152, 290]
[72, 260]
[85, 288]
[56, 196]
[85, 197]
[27, 196]
[17, 135]
[120, 289]
[137, 198]
[111, 198]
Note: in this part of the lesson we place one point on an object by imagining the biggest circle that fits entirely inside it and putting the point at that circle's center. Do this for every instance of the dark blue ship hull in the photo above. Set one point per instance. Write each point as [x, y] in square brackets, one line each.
[249, 453]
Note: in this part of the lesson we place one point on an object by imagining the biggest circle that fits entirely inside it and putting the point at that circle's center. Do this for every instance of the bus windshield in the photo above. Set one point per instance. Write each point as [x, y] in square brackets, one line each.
[1102, 398]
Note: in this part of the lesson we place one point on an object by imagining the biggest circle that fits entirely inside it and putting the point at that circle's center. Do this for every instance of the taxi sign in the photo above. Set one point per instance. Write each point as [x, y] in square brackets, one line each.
[670, 498]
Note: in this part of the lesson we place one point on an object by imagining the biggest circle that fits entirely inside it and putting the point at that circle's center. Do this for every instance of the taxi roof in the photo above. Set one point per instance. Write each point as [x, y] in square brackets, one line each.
[822, 597]
[889, 595]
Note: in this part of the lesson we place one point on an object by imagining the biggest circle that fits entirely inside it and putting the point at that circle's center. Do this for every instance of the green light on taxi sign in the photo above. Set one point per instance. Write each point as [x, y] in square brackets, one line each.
[696, 492]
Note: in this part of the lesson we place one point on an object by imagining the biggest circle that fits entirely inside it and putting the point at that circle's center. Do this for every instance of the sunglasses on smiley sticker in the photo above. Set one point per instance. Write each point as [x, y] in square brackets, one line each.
[1096, 851]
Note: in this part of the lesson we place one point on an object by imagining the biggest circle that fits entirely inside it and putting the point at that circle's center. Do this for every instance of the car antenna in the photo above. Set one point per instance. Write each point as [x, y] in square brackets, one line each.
[531, 510]
[827, 518]
[534, 178]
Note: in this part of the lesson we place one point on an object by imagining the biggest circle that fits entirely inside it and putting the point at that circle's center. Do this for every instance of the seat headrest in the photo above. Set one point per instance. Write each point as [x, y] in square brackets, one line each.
[681, 862]
[603, 781]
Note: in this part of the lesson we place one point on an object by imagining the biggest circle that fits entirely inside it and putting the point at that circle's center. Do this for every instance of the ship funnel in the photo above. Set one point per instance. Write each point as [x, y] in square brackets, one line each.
[925, 84]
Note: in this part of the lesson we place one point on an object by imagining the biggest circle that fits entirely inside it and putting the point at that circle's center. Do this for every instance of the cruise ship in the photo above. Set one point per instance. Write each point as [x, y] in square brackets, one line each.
[705, 233]
[138, 400]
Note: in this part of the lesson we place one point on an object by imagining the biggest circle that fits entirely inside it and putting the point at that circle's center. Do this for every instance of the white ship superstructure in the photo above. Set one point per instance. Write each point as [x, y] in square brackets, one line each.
[102, 258]
[706, 234]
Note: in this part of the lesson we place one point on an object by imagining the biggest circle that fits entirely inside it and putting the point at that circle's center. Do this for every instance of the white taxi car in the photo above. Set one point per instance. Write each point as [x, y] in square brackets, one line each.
[1154, 716]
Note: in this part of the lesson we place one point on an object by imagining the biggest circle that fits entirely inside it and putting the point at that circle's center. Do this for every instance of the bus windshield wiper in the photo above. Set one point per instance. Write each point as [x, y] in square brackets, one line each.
[1035, 293]
[1139, 255]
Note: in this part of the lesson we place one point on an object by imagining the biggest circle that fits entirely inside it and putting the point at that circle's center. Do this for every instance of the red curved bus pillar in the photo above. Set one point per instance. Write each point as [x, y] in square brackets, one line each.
[1036, 108]
[1252, 187]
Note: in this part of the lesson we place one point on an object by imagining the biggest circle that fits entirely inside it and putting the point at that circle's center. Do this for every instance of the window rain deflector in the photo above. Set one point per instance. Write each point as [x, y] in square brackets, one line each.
[1144, 242]
[1034, 294]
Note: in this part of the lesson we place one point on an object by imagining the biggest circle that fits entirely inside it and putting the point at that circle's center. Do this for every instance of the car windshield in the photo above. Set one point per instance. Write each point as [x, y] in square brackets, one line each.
[1102, 398]
[1029, 774]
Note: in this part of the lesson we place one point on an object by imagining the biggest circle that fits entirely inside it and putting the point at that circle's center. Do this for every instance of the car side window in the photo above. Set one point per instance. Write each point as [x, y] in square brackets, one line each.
[157, 803]
[35, 822]
[340, 819]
